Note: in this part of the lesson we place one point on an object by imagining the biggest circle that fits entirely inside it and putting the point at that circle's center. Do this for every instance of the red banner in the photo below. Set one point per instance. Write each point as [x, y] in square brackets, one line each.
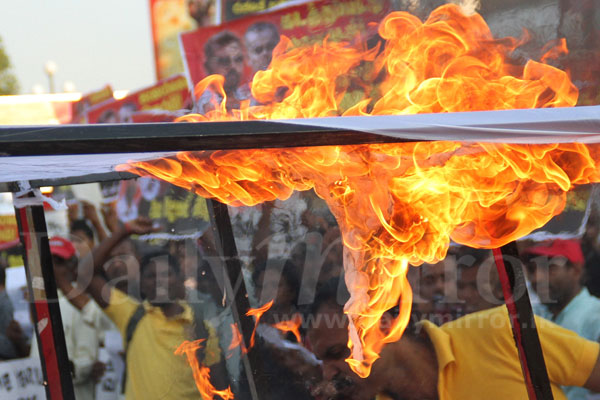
[244, 42]
[168, 95]
[80, 108]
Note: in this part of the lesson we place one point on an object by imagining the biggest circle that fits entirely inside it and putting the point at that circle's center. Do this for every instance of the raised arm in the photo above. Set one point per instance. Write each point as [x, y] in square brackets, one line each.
[91, 269]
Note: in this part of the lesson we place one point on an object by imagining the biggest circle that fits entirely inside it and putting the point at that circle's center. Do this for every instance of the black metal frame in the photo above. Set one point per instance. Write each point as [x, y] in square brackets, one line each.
[44, 307]
[133, 138]
[127, 138]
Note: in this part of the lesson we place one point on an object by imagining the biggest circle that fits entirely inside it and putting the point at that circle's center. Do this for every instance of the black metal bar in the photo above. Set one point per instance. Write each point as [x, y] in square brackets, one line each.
[131, 138]
[46, 311]
[523, 323]
[237, 295]
[91, 178]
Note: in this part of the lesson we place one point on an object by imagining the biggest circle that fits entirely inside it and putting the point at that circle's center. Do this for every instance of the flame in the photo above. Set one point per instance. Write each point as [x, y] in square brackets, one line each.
[201, 373]
[237, 339]
[399, 204]
[257, 313]
[450, 62]
[292, 325]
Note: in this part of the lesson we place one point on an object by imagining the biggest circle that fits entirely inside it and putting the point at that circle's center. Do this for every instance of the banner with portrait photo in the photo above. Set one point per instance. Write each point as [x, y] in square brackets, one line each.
[170, 94]
[237, 49]
[87, 101]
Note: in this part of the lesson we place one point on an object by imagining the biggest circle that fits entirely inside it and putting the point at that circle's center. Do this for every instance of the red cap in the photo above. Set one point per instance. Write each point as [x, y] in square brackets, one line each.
[61, 247]
[570, 249]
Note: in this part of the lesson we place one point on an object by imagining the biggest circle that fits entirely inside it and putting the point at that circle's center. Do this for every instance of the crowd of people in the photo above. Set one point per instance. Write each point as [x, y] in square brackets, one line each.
[157, 295]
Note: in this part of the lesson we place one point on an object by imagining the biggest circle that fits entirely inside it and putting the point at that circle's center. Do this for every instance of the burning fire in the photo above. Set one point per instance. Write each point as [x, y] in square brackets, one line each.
[201, 373]
[399, 204]
[257, 313]
[292, 325]
[237, 339]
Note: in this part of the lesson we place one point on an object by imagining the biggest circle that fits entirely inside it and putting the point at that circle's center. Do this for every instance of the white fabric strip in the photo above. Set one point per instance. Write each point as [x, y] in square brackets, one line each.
[542, 125]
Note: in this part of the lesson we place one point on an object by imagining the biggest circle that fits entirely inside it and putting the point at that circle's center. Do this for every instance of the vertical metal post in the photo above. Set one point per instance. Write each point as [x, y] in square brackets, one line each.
[42, 289]
[236, 294]
[523, 323]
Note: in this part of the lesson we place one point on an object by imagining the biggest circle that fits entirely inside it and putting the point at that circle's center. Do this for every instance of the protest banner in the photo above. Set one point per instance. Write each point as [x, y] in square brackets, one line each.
[303, 24]
[169, 94]
[572, 221]
[233, 9]
[171, 17]
[80, 108]
[109, 387]
[180, 213]
[22, 379]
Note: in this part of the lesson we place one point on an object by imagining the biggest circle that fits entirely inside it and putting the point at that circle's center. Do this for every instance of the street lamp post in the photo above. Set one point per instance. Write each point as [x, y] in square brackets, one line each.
[50, 67]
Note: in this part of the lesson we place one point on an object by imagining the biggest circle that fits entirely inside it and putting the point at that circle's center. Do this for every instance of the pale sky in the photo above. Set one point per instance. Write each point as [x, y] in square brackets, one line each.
[92, 42]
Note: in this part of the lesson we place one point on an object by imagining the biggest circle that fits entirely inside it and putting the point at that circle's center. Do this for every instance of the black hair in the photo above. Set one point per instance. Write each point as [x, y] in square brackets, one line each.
[151, 257]
[219, 40]
[287, 269]
[81, 225]
[334, 292]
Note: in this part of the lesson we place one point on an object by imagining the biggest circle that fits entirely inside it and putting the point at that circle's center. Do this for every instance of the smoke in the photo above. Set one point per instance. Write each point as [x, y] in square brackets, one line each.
[469, 7]
[422, 8]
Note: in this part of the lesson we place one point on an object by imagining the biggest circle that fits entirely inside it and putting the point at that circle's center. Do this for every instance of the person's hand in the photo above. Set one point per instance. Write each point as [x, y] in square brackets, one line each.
[89, 211]
[141, 226]
[111, 219]
[14, 332]
[73, 211]
[295, 361]
[98, 370]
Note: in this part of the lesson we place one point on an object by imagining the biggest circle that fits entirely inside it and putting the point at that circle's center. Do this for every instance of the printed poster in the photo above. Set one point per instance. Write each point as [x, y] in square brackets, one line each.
[239, 48]
[171, 17]
[171, 94]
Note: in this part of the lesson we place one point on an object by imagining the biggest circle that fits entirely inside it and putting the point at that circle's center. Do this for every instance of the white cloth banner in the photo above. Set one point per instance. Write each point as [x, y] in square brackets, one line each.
[109, 387]
[22, 379]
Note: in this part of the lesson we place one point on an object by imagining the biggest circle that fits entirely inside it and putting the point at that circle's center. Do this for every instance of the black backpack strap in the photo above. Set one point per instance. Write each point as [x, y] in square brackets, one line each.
[138, 314]
[135, 319]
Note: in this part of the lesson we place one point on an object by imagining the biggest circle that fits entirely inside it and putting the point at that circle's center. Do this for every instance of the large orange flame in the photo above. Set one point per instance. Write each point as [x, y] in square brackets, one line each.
[201, 373]
[399, 204]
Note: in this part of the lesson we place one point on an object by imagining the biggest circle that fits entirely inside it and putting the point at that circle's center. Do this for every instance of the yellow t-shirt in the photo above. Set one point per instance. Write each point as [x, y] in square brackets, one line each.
[153, 371]
[478, 359]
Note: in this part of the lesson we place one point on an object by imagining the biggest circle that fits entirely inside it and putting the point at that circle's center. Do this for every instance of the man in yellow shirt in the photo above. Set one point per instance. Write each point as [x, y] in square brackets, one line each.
[163, 322]
[474, 357]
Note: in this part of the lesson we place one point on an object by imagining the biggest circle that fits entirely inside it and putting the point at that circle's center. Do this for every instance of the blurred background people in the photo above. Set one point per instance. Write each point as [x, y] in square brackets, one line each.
[13, 342]
[434, 287]
[478, 284]
[556, 270]
[81, 337]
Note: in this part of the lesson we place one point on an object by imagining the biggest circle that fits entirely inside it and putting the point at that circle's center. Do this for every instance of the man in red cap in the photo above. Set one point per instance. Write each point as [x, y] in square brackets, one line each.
[556, 270]
[81, 337]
